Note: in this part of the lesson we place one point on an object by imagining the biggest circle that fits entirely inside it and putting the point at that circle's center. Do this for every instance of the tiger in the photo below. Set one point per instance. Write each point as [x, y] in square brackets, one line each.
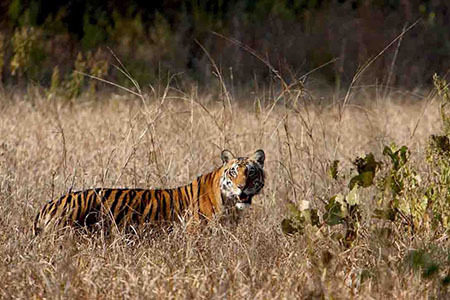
[228, 187]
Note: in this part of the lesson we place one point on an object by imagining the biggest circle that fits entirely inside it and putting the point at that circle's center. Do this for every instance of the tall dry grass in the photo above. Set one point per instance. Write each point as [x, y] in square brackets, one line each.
[48, 147]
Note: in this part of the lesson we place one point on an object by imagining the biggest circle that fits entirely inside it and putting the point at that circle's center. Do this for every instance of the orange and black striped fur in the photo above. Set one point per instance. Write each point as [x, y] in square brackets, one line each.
[231, 185]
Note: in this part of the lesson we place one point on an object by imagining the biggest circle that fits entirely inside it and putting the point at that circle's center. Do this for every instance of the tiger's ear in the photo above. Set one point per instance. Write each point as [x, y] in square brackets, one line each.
[259, 156]
[226, 156]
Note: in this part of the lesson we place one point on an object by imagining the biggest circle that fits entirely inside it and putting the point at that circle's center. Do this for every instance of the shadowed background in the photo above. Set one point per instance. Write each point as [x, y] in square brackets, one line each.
[157, 38]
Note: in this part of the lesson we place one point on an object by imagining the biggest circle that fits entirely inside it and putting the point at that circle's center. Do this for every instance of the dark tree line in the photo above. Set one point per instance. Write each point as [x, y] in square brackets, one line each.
[296, 36]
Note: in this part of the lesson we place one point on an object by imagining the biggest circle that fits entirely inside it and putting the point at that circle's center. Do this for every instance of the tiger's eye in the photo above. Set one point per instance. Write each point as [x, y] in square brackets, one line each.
[232, 173]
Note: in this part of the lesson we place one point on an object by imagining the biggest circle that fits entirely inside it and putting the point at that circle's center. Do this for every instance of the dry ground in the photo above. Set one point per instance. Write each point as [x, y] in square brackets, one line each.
[48, 148]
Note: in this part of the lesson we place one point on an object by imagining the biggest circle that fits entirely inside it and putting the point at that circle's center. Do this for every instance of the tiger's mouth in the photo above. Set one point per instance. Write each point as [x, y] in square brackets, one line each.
[245, 198]
[244, 201]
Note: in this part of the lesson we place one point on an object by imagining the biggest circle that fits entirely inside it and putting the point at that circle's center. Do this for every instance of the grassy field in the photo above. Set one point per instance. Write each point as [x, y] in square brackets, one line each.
[51, 146]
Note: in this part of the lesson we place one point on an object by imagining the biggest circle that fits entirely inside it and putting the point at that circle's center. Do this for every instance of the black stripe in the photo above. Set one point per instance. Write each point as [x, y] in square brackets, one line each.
[123, 208]
[158, 204]
[67, 209]
[85, 200]
[90, 201]
[127, 198]
[81, 210]
[106, 195]
[148, 218]
[49, 210]
[72, 207]
[172, 205]
[68, 199]
[139, 210]
[169, 203]
[145, 200]
[180, 201]
[77, 208]
[164, 204]
[132, 204]
[67, 205]
[38, 216]
[88, 206]
[132, 195]
[115, 202]
[191, 193]
[44, 210]
[76, 200]
[59, 200]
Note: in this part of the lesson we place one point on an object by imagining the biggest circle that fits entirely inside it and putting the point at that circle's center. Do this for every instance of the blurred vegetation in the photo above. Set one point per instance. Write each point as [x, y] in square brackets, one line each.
[157, 38]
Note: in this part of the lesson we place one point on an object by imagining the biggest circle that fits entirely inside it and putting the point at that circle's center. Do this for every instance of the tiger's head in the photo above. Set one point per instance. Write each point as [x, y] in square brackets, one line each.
[242, 178]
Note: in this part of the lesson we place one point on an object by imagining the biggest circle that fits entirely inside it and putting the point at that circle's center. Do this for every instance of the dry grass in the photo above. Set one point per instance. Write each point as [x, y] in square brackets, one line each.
[47, 148]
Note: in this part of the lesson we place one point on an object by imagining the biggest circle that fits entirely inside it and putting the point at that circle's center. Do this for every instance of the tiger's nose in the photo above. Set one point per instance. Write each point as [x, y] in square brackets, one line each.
[241, 186]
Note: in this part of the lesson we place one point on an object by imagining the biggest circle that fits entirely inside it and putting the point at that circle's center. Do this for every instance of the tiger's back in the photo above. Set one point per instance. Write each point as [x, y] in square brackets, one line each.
[85, 208]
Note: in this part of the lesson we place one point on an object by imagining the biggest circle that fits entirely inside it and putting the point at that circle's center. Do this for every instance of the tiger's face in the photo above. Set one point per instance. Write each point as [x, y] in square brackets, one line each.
[242, 178]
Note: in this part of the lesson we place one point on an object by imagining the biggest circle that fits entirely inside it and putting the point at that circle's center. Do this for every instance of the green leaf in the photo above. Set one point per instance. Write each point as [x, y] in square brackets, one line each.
[339, 198]
[366, 164]
[311, 216]
[367, 178]
[366, 168]
[399, 157]
[295, 212]
[404, 154]
[355, 181]
[387, 151]
[333, 169]
[299, 218]
[288, 227]
[353, 197]
[335, 210]
[315, 221]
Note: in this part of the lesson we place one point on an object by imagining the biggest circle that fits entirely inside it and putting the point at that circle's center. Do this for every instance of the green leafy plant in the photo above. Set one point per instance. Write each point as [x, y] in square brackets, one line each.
[366, 168]
[402, 189]
[437, 193]
[438, 156]
[393, 182]
[340, 208]
[299, 218]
